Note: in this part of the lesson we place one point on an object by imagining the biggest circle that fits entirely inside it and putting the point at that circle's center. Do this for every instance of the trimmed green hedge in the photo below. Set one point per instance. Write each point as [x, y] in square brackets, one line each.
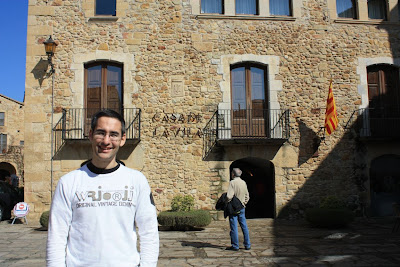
[329, 218]
[44, 219]
[184, 219]
[182, 203]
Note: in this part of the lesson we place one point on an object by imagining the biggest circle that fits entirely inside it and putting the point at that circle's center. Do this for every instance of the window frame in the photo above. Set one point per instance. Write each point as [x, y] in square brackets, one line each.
[253, 120]
[385, 6]
[222, 8]
[384, 89]
[2, 120]
[3, 143]
[248, 66]
[354, 7]
[257, 11]
[103, 89]
[290, 9]
[392, 13]
[229, 11]
[110, 14]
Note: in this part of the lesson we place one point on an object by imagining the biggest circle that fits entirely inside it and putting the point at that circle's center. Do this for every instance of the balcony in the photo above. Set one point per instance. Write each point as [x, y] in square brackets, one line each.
[74, 126]
[375, 123]
[10, 150]
[245, 127]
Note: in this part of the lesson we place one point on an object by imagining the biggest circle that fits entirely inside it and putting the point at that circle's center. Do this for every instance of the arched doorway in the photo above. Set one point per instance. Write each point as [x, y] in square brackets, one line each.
[260, 178]
[6, 169]
[385, 184]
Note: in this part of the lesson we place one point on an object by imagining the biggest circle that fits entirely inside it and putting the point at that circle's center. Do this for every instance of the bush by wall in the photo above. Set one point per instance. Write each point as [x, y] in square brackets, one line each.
[329, 218]
[44, 219]
[332, 213]
[332, 202]
[182, 203]
[184, 220]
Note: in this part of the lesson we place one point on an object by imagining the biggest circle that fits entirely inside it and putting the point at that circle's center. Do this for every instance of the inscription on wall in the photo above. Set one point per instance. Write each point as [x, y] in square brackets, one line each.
[174, 125]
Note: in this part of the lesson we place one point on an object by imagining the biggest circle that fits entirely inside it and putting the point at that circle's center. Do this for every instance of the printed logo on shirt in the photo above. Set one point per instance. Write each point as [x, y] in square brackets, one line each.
[107, 198]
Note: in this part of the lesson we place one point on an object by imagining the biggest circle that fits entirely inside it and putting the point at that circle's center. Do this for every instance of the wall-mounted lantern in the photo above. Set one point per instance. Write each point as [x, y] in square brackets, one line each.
[50, 47]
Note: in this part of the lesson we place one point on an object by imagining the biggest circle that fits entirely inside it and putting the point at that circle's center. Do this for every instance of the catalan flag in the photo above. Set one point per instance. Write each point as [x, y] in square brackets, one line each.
[331, 118]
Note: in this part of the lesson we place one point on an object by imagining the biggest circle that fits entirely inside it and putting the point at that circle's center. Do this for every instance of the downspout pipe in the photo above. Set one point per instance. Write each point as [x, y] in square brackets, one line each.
[51, 131]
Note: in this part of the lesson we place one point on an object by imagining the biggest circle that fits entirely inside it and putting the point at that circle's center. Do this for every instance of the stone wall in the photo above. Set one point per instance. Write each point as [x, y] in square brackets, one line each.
[177, 62]
[11, 159]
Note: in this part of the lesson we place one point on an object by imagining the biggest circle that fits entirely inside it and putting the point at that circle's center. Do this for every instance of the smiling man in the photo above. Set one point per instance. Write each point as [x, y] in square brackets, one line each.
[96, 209]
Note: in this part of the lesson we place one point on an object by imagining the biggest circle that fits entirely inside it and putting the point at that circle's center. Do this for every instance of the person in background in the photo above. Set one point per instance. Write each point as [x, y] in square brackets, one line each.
[238, 188]
[14, 180]
[8, 179]
[96, 209]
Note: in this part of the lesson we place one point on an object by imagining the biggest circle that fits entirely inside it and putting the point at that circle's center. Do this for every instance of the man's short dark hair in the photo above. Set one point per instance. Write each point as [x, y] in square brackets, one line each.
[110, 114]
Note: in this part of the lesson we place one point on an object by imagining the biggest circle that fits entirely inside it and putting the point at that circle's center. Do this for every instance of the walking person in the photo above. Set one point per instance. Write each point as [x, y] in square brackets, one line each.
[96, 208]
[238, 188]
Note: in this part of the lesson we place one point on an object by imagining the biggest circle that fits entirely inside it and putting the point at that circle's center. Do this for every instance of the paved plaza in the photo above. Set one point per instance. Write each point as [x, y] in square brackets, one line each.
[274, 243]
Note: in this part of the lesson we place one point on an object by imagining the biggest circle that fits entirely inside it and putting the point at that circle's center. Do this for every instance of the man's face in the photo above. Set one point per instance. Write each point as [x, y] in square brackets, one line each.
[106, 140]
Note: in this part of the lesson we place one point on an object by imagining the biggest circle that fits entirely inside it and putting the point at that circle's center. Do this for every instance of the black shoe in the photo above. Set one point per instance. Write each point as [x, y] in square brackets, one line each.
[232, 248]
[248, 248]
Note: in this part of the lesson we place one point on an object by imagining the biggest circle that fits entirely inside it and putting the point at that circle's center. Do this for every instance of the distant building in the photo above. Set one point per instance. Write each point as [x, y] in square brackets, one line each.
[210, 85]
[11, 139]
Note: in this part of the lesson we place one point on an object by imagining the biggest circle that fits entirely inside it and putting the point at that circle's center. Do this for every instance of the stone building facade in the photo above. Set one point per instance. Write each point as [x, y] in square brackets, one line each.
[207, 87]
[11, 139]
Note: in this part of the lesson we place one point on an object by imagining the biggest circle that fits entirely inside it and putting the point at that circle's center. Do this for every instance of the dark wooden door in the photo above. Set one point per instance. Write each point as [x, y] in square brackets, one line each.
[384, 99]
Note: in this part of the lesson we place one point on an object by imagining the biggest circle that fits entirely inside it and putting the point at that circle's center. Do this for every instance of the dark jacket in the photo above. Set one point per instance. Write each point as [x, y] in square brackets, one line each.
[230, 208]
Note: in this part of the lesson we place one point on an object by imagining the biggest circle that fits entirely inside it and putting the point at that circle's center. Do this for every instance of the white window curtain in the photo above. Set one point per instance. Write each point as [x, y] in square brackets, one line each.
[248, 7]
[279, 7]
[345, 8]
[211, 6]
[377, 9]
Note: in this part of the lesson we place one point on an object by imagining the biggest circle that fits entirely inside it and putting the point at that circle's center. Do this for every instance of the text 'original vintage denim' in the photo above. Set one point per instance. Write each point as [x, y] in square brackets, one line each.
[233, 220]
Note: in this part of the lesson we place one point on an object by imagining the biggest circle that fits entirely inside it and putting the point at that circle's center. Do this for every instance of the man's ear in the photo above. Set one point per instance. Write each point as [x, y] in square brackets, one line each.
[123, 140]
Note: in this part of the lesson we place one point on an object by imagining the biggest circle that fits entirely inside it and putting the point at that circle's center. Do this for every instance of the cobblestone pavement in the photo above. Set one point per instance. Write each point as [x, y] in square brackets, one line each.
[274, 243]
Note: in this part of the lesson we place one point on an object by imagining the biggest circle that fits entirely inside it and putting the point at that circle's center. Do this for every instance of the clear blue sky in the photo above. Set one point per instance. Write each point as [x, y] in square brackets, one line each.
[13, 22]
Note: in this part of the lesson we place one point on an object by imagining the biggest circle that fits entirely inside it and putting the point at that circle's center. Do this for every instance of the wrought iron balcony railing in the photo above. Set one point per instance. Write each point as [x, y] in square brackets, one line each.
[379, 123]
[74, 124]
[245, 124]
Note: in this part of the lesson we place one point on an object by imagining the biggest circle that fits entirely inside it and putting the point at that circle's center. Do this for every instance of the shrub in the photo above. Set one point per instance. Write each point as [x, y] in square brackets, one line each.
[331, 213]
[182, 203]
[44, 219]
[183, 220]
[332, 202]
[329, 218]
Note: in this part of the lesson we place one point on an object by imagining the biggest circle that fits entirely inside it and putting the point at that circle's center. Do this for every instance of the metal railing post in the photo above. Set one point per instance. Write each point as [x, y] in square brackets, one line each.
[217, 125]
[64, 123]
[140, 115]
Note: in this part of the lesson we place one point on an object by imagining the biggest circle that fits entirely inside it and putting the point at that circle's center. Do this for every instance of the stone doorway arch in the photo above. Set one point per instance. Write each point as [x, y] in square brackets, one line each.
[6, 169]
[259, 175]
[384, 184]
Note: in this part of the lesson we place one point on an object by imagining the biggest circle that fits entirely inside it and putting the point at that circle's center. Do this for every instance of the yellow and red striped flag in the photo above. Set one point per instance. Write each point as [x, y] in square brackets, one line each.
[331, 118]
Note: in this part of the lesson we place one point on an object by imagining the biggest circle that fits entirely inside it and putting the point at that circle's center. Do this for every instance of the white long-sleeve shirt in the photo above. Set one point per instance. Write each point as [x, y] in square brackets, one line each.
[93, 220]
